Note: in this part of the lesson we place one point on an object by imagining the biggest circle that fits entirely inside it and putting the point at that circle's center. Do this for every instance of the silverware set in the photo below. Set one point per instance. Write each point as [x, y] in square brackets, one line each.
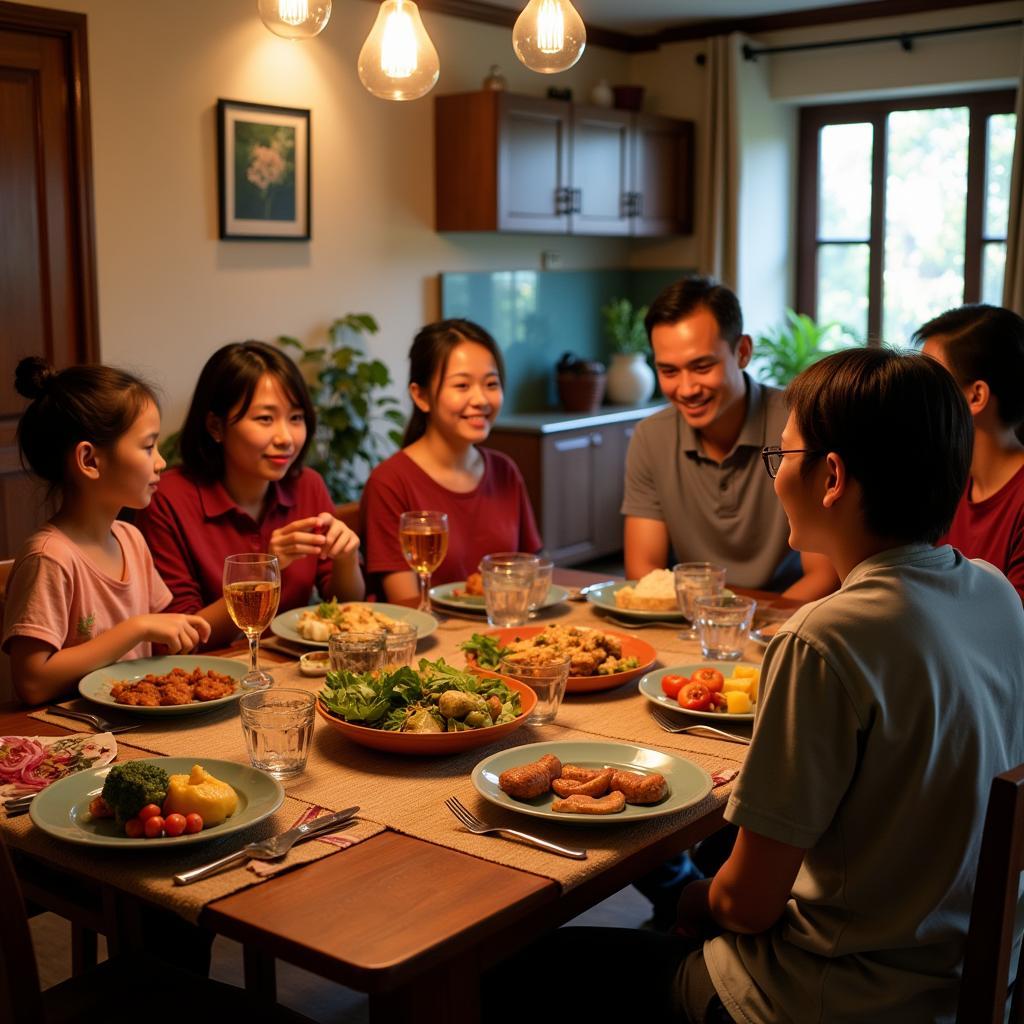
[18, 805]
[99, 724]
[642, 623]
[669, 724]
[581, 593]
[473, 824]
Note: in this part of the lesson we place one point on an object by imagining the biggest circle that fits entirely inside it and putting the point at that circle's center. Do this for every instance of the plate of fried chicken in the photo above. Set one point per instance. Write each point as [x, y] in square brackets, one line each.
[178, 684]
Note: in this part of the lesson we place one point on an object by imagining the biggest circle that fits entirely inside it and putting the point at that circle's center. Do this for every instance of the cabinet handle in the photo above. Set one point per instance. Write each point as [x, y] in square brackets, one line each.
[573, 444]
[638, 204]
[627, 204]
[576, 200]
[563, 200]
[596, 440]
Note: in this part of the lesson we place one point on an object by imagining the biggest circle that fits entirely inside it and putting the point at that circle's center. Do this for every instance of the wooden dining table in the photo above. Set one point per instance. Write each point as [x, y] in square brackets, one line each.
[411, 923]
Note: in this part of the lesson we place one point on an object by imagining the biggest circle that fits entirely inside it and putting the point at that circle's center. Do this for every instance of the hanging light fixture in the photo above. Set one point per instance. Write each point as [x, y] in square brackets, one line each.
[398, 61]
[295, 19]
[549, 36]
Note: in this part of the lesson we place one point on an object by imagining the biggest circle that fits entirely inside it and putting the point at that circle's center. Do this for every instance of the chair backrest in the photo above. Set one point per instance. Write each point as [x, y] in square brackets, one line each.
[20, 998]
[349, 515]
[985, 979]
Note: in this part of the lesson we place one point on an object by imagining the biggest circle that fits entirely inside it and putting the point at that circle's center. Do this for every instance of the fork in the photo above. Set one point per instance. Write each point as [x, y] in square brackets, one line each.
[669, 725]
[473, 824]
[642, 623]
[17, 805]
[99, 724]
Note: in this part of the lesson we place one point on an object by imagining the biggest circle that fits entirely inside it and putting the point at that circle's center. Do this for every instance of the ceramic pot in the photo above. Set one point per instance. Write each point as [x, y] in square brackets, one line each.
[630, 379]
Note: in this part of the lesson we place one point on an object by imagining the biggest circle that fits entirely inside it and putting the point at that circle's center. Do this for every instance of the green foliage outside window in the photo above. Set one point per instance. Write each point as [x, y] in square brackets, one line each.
[782, 353]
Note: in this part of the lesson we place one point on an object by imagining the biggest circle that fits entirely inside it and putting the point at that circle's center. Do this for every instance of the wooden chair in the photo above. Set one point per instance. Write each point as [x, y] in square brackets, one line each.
[114, 991]
[985, 979]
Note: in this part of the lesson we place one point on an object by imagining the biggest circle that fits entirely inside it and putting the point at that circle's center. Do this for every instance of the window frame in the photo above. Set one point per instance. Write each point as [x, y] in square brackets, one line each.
[981, 105]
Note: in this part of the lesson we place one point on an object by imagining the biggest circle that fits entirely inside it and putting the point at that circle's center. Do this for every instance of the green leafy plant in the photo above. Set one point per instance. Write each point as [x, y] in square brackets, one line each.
[624, 326]
[358, 425]
[782, 353]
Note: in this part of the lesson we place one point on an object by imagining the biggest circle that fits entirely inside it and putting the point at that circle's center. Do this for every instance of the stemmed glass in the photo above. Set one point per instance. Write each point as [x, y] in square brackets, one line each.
[252, 591]
[424, 539]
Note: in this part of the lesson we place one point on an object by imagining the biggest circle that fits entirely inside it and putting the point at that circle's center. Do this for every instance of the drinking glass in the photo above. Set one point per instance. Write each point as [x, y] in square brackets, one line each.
[724, 625]
[508, 583]
[547, 680]
[693, 580]
[424, 539]
[277, 725]
[357, 652]
[400, 645]
[541, 584]
[252, 591]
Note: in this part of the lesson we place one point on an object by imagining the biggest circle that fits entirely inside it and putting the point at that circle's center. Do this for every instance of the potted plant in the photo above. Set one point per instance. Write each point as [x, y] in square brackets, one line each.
[630, 378]
[780, 354]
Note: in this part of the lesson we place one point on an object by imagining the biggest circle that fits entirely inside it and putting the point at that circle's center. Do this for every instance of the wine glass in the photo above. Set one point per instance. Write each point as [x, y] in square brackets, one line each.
[252, 591]
[424, 540]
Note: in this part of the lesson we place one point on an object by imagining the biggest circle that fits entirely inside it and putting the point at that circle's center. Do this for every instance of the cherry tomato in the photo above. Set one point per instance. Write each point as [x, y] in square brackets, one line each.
[174, 824]
[193, 823]
[709, 677]
[671, 685]
[153, 826]
[133, 828]
[149, 811]
[694, 696]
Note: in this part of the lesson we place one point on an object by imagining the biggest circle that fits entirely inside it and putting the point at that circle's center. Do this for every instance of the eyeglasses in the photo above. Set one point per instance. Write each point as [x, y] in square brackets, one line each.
[772, 457]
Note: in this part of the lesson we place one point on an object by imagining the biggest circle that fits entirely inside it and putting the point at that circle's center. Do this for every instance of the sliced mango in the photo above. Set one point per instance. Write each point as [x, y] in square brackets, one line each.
[745, 672]
[738, 703]
[736, 685]
[200, 793]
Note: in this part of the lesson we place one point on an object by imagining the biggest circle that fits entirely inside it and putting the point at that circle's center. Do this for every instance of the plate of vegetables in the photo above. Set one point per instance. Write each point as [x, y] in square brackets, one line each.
[712, 689]
[435, 708]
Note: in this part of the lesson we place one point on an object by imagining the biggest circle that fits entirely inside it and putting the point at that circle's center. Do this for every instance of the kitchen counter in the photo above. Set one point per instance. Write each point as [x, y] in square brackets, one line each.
[557, 421]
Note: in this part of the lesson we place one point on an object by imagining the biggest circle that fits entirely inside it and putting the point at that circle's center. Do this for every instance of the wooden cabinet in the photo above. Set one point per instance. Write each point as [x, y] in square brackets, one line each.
[515, 163]
[574, 469]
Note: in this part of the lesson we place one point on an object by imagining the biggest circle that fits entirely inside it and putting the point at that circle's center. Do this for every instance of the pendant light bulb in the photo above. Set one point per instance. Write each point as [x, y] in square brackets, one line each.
[295, 19]
[398, 61]
[549, 36]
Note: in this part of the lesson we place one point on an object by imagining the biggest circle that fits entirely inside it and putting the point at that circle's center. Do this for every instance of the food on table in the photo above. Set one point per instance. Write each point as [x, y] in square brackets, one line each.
[321, 623]
[175, 687]
[436, 697]
[597, 786]
[131, 785]
[526, 781]
[708, 677]
[590, 652]
[655, 592]
[200, 793]
[672, 684]
[474, 586]
[638, 788]
[30, 763]
[707, 689]
[578, 774]
[612, 803]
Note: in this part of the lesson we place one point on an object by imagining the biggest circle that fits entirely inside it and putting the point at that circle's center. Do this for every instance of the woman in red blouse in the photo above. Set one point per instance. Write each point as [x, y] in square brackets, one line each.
[242, 487]
[456, 376]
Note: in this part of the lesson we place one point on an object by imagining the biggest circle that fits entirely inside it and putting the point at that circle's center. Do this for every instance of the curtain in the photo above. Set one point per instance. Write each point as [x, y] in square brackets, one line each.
[718, 214]
[1013, 282]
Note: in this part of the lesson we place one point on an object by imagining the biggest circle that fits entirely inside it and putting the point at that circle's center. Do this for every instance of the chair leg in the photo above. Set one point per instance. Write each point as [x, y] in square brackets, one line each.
[84, 949]
[260, 973]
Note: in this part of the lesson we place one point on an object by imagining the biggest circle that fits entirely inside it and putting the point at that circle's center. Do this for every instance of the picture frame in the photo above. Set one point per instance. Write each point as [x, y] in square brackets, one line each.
[263, 163]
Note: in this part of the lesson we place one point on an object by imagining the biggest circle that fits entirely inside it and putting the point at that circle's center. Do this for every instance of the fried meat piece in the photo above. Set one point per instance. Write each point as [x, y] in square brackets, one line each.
[640, 789]
[141, 694]
[176, 692]
[578, 804]
[596, 786]
[526, 781]
[213, 686]
[578, 774]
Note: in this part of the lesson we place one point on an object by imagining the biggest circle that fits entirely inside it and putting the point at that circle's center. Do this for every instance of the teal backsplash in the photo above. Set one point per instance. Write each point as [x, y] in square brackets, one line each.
[537, 315]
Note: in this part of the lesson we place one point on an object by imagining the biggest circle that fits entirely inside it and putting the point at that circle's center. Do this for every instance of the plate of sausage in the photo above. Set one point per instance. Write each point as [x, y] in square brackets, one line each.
[590, 783]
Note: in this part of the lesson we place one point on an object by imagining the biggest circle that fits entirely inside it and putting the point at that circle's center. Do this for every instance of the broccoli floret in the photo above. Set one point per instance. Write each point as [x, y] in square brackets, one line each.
[132, 785]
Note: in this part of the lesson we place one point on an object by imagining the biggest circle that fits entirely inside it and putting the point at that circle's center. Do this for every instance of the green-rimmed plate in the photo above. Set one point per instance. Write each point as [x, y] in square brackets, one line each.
[650, 687]
[62, 810]
[284, 625]
[603, 597]
[445, 595]
[688, 783]
[96, 685]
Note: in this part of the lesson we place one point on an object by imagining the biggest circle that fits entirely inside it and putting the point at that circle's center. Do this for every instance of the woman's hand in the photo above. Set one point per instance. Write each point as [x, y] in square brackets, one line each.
[321, 535]
[176, 634]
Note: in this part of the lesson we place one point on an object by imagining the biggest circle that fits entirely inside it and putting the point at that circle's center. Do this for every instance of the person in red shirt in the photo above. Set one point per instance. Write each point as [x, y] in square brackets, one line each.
[983, 348]
[242, 487]
[456, 377]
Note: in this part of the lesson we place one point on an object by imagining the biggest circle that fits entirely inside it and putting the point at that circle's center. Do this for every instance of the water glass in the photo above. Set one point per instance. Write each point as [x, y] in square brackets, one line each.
[508, 584]
[548, 681]
[278, 725]
[693, 580]
[541, 584]
[400, 646]
[357, 652]
[724, 625]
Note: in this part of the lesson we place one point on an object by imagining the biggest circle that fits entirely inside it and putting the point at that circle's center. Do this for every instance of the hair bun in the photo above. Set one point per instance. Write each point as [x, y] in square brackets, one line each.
[32, 377]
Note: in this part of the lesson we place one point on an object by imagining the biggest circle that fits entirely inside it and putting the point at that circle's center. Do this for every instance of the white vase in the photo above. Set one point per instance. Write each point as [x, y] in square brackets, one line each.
[630, 379]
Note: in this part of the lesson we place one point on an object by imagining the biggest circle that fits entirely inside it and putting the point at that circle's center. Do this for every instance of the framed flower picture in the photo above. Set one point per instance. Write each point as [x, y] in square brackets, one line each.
[263, 163]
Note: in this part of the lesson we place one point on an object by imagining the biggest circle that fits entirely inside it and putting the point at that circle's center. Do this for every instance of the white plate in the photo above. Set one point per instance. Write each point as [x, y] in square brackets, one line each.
[603, 597]
[650, 687]
[284, 625]
[444, 595]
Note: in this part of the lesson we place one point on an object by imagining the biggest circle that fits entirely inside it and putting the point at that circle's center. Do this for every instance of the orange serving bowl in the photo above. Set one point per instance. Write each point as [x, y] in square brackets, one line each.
[433, 742]
[644, 653]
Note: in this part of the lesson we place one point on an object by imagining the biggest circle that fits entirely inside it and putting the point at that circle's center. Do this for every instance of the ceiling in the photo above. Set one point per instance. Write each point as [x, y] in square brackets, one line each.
[646, 16]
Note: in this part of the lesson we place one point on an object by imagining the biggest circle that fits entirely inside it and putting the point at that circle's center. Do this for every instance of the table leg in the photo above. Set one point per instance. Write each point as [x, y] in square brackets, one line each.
[260, 972]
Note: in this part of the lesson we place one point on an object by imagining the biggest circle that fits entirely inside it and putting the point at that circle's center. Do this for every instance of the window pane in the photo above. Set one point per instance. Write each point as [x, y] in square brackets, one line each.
[998, 158]
[993, 267]
[843, 288]
[844, 182]
[925, 204]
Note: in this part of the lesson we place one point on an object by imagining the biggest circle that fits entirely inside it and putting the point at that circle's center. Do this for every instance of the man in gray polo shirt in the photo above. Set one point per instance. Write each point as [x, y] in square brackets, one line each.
[694, 481]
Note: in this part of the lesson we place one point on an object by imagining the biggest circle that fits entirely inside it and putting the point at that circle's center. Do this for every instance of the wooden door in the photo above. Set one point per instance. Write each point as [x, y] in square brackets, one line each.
[662, 176]
[47, 279]
[533, 165]
[601, 171]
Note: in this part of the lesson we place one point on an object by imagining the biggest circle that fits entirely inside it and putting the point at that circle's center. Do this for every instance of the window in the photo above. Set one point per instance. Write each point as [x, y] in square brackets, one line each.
[903, 210]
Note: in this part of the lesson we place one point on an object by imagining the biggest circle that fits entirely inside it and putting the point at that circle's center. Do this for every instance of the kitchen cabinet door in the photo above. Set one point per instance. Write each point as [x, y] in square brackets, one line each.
[601, 171]
[571, 467]
[662, 176]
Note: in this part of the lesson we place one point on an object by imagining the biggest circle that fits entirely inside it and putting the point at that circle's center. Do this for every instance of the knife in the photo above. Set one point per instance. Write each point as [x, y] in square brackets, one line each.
[273, 848]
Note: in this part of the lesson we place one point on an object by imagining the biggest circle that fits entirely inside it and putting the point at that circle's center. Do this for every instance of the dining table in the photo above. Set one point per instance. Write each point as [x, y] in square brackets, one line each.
[406, 906]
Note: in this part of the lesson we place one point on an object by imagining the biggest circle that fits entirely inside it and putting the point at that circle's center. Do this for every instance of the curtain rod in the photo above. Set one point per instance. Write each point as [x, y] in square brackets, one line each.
[905, 39]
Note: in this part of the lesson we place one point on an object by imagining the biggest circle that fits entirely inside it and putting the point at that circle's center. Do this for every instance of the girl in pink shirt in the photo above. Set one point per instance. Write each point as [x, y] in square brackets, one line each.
[83, 591]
